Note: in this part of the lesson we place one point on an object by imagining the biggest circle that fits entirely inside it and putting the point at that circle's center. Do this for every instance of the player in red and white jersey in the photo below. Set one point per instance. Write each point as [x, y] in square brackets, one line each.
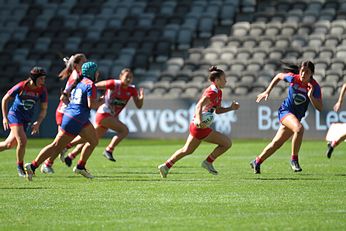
[336, 131]
[72, 72]
[210, 102]
[117, 95]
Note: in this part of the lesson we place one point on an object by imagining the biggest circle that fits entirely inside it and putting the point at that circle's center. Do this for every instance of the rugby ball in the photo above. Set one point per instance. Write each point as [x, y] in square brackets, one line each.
[207, 118]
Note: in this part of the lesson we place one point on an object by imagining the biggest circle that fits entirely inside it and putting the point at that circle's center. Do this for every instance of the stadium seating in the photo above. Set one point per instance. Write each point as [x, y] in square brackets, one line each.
[176, 41]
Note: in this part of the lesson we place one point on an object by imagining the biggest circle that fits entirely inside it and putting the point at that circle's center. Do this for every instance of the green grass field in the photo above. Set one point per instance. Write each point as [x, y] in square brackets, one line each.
[130, 195]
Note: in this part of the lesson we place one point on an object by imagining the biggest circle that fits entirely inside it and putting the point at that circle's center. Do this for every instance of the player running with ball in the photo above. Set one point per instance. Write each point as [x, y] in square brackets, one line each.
[210, 102]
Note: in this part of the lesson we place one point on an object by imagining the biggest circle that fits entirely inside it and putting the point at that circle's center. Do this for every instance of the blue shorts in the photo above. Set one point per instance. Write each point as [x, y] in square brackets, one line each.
[16, 119]
[72, 126]
[282, 113]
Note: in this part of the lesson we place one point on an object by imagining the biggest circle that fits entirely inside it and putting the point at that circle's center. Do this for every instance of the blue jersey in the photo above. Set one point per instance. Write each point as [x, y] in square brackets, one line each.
[78, 107]
[25, 100]
[297, 101]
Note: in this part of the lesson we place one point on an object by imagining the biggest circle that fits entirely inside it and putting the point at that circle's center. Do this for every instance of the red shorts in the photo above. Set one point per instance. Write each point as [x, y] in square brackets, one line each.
[100, 117]
[58, 117]
[199, 133]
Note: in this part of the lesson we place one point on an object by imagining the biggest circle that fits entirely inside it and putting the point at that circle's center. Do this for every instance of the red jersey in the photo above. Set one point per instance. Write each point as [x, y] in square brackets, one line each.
[215, 96]
[74, 75]
[116, 97]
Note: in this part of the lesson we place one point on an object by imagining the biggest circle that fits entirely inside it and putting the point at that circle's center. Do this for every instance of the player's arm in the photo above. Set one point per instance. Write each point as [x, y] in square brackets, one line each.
[199, 108]
[43, 112]
[234, 106]
[102, 85]
[4, 107]
[139, 99]
[264, 95]
[341, 98]
[315, 101]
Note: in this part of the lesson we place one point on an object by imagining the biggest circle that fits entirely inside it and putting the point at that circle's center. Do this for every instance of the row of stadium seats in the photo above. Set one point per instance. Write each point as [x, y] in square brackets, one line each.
[170, 43]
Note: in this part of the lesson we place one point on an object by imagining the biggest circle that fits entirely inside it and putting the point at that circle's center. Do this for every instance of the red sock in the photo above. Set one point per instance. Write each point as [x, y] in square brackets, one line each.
[49, 163]
[109, 149]
[72, 155]
[20, 163]
[210, 159]
[81, 164]
[334, 143]
[259, 160]
[169, 163]
[69, 145]
[34, 163]
[294, 157]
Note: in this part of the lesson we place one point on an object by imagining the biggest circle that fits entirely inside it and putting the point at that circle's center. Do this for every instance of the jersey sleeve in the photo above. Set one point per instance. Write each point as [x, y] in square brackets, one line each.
[288, 77]
[44, 95]
[91, 92]
[317, 91]
[16, 89]
[134, 92]
[210, 94]
[110, 84]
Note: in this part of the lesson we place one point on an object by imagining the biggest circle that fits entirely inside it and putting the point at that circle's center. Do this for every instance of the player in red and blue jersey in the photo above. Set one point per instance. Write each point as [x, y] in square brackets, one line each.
[75, 122]
[209, 102]
[18, 118]
[72, 71]
[303, 90]
[117, 95]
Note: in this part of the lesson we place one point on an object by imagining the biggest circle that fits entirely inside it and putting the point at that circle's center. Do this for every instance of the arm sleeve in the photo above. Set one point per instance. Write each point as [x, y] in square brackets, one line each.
[110, 84]
[288, 78]
[317, 92]
[92, 91]
[15, 90]
[44, 96]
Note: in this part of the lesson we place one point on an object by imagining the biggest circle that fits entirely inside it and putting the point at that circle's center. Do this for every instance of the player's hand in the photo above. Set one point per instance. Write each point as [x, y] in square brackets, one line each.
[264, 95]
[199, 123]
[35, 128]
[235, 106]
[5, 124]
[337, 106]
[141, 93]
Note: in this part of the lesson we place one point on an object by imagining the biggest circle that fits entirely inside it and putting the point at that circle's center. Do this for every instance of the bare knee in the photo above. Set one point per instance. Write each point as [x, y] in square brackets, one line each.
[93, 143]
[299, 128]
[227, 144]
[21, 143]
[124, 132]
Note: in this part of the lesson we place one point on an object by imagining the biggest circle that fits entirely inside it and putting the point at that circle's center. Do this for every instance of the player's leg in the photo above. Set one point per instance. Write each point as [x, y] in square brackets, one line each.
[51, 150]
[292, 123]
[335, 135]
[223, 144]
[9, 143]
[120, 128]
[282, 135]
[21, 140]
[190, 146]
[88, 133]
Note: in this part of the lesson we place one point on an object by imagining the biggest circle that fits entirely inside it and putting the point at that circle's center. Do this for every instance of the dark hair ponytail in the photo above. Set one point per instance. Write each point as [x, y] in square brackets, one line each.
[215, 73]
[290, 67]
[69, 63]
[294, 68]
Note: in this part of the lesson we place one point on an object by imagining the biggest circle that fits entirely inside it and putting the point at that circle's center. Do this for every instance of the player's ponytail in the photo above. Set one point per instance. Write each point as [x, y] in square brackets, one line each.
[290, 67]
[70, 63]
[215, 73]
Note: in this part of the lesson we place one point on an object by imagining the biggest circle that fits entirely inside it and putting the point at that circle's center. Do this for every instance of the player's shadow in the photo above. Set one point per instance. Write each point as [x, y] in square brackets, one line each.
[21, 188]
[287, 178]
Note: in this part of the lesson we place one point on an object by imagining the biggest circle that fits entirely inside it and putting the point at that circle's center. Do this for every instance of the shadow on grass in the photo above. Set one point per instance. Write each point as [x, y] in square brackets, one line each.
[340, 174]
[284, 178]
[22, 188]
[143, 179]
